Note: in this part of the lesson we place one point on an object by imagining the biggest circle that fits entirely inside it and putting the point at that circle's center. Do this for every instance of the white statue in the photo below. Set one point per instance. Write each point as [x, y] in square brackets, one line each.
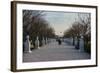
[81, 45]
[46, 40]
[37, 43]
[43, 41]
[27, 44]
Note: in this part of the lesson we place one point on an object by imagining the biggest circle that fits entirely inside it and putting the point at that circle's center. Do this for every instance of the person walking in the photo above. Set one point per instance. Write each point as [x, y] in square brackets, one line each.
[59, 41]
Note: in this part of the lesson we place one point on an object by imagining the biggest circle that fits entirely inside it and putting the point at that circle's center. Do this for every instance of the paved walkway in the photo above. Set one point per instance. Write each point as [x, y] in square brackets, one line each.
[55, 52]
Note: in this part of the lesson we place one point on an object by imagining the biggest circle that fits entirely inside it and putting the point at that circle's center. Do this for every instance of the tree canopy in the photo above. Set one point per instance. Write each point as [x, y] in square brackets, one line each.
[35, 25]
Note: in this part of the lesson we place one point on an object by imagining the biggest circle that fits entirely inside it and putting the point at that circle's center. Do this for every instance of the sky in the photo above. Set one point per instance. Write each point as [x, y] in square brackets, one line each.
[60, 21]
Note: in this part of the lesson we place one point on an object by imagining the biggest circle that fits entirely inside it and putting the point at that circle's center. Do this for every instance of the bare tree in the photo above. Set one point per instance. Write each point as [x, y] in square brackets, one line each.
[86, 29]
[74, 31]
[79, 28]
[35, 25]
[85, 21]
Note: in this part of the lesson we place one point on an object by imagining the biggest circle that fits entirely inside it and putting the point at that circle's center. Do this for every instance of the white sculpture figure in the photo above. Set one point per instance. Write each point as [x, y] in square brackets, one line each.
[27, 44]
[81, 45]
[37, 43]
[75, 40]
[46, 40]
[43, 41]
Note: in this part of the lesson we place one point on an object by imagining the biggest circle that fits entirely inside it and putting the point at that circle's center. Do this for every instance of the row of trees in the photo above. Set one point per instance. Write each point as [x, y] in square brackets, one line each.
[81, 29]
[35, 26]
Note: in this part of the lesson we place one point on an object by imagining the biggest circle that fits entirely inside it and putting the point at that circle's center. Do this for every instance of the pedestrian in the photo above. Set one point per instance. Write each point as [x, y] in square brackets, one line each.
[59, 41]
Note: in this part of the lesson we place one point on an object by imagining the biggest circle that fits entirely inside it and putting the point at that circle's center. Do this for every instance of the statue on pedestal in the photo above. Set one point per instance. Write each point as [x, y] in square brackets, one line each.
[43, 41]
[37, 43]
[27, 45]
[81, 44]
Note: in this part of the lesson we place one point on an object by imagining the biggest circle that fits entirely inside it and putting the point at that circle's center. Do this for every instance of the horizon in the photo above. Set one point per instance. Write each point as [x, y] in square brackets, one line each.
[60, 21]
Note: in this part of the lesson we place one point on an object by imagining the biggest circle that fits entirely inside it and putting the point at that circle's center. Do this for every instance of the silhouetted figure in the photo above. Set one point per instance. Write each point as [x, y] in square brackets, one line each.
[59, 42]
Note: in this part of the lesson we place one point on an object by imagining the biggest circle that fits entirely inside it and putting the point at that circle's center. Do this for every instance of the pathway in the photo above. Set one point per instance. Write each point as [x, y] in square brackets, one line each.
[55, 52]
